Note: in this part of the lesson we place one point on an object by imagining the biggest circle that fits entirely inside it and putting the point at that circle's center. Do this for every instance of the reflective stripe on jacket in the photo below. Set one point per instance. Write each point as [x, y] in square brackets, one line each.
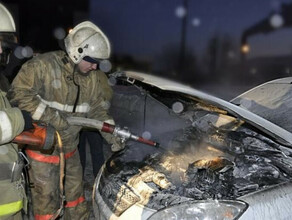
[11, 119]
[11, 208]
[46, 86]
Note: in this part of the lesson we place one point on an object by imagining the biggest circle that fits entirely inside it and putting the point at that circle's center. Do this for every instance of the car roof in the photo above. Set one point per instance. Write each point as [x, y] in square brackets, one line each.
[278, 133]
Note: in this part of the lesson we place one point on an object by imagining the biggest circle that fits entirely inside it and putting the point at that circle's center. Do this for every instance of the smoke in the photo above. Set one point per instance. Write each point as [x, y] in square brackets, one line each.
[177, 162]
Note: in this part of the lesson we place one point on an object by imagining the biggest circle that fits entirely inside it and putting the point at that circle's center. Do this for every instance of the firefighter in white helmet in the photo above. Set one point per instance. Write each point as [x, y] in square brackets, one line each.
[87, 40]
[12, 194]
[53, 86]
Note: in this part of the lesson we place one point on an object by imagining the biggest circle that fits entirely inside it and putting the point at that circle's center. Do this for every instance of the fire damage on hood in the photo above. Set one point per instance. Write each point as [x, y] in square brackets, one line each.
[205, 153]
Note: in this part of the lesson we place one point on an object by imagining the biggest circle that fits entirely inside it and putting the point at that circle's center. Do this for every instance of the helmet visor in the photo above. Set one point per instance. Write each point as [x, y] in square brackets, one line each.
[91, 60]
[8, 37]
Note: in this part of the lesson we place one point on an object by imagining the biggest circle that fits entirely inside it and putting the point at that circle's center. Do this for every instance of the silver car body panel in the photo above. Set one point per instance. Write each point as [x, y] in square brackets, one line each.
[272, 203]
[281, 135]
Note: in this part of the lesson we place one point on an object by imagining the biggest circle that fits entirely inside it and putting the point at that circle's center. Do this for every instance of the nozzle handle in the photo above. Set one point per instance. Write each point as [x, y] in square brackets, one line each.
[144, 141]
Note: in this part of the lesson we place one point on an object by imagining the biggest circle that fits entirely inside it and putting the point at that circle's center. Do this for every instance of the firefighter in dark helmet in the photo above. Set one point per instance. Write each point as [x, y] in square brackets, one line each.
[12, 122]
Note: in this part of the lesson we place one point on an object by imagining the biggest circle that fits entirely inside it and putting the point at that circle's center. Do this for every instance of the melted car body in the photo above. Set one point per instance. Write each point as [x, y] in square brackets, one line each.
[212, 154]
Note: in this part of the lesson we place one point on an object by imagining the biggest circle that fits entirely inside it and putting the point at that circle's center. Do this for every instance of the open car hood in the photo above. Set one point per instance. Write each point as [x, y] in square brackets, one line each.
[209, 149]
[279, 134]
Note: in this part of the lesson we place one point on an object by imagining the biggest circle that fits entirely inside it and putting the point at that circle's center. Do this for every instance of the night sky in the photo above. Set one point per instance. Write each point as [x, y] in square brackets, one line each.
[144, 27]
[146, 36]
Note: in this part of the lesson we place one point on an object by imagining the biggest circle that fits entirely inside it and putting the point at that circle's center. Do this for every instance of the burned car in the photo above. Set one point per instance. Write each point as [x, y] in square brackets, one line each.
[215, 159]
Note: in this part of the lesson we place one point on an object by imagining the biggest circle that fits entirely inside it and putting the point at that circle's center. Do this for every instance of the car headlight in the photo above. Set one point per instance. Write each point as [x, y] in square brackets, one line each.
[202, 210]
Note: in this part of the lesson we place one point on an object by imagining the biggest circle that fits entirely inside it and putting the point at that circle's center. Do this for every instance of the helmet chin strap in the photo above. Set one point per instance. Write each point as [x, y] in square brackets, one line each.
[78, 88]
[4, 57]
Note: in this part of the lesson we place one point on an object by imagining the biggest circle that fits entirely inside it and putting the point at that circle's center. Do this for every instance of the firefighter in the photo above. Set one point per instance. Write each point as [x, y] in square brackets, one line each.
[13, 122]
[53, 86]
[7, 28]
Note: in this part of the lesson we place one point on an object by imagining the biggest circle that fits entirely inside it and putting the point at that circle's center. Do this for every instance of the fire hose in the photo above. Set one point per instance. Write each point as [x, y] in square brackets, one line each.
[42, 137]
[59, 212]
[123, 133]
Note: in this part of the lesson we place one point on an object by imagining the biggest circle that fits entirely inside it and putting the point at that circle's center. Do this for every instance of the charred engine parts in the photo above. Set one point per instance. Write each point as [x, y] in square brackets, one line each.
[227, 173]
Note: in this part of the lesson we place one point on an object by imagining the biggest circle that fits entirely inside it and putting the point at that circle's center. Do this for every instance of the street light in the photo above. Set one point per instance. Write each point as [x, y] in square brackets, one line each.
[245, 48]
[182, 12]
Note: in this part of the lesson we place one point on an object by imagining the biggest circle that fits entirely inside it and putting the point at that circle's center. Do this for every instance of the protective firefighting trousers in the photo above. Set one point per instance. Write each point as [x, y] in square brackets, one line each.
[44, 177]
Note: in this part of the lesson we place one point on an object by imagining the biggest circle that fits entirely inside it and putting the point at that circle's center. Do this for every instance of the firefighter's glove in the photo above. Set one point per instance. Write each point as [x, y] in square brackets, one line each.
[117, 144]
[27, 120]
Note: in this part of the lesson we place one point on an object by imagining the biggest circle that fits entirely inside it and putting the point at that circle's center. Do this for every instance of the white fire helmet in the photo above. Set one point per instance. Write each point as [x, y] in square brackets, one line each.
[6, 20]
[87, 40]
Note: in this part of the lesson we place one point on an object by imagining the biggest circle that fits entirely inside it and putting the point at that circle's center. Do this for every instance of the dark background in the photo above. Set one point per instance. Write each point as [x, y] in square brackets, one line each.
[202, 48]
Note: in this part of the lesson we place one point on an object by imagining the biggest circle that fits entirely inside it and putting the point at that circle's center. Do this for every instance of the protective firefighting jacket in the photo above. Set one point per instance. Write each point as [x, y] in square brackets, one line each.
[11, 189]
[51, 89]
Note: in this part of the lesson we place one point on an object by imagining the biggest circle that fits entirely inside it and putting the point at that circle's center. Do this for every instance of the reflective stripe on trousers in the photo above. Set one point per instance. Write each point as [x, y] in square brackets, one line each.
[47, 159]
[44, 174]
[11, 208]
[43, 217]
[69, 204]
